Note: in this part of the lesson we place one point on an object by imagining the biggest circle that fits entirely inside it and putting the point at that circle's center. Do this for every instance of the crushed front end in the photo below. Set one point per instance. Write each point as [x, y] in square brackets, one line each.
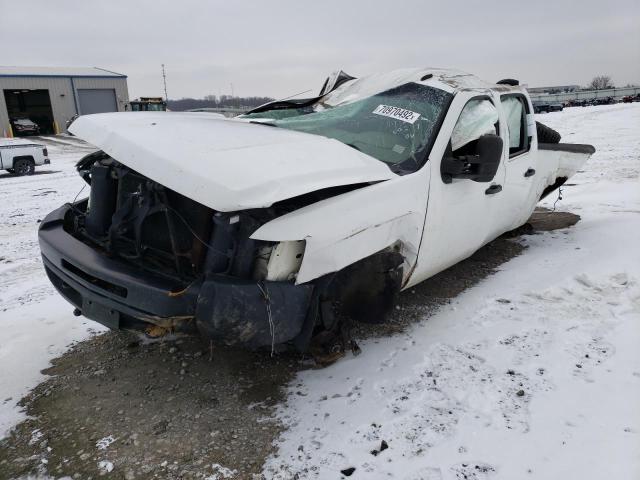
[136, 255]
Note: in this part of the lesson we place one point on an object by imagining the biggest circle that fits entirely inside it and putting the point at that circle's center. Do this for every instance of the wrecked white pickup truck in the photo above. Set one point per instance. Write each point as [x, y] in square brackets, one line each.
[269, 229]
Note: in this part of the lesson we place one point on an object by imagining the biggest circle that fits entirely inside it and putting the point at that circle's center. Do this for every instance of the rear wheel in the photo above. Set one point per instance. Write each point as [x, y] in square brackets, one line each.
[547, 134]
[23, 166]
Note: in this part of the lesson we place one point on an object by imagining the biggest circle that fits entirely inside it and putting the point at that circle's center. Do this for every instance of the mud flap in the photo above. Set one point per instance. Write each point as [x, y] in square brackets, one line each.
[251, 314]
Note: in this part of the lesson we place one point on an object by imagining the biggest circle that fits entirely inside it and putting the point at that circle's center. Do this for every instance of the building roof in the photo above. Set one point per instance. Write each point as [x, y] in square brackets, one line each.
[14, 71]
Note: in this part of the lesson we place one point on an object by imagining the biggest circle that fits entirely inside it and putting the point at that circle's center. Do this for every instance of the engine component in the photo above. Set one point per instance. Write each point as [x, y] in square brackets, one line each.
[102, 202]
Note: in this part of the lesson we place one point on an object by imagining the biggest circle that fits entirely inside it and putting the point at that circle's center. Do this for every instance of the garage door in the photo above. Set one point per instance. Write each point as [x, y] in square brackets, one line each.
[97, 100]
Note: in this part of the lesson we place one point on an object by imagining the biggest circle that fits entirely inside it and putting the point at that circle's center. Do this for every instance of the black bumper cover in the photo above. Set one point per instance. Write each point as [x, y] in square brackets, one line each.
[119, 295]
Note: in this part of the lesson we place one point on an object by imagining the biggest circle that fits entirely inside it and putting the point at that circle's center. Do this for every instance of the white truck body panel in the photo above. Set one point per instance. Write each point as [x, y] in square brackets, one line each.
[356, 224]
[459, 219]
[230, 165]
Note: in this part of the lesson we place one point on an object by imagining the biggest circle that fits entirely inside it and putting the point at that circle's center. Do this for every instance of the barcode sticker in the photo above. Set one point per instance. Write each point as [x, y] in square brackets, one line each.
[398, 113]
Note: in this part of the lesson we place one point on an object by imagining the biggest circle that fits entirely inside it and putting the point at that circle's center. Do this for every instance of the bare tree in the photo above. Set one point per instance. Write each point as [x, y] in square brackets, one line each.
[600, 82]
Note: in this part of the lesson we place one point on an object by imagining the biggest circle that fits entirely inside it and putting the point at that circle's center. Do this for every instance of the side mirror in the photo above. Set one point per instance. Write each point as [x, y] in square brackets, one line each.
[481, 167]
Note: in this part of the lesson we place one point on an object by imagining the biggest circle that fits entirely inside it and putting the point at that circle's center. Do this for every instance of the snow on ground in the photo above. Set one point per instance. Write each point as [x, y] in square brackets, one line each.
[37, 324]
[534, 373]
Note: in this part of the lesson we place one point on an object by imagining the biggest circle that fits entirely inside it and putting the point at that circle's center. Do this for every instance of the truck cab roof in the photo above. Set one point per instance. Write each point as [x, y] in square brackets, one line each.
[450, 80]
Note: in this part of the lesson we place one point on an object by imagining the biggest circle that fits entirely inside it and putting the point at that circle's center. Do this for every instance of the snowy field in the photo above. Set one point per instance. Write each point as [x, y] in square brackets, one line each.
[533, 373]
[37, 324]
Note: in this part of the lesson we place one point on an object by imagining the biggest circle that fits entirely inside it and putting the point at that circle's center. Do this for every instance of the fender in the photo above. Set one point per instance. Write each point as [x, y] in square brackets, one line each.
[341, 230]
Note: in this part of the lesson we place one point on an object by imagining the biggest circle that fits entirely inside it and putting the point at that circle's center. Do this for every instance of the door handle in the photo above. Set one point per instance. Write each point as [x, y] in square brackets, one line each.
[493, 189]
[530, 172]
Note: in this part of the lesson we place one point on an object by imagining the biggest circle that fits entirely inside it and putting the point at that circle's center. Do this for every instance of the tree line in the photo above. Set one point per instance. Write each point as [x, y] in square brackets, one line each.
[602, 82]
[599, 82]
[213, 101]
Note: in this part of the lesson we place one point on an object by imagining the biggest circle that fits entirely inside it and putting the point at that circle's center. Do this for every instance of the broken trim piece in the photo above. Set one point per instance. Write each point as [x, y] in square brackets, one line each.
[568, 147]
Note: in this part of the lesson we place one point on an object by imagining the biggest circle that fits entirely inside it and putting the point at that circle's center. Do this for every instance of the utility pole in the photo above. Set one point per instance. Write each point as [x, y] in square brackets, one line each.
[164, 79]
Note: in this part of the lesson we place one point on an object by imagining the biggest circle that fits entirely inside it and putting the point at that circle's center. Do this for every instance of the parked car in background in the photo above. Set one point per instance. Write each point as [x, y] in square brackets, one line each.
[604, 101]
[576, 103]
[23, 127]
[540, 107]
[20, 157]
[546, 107]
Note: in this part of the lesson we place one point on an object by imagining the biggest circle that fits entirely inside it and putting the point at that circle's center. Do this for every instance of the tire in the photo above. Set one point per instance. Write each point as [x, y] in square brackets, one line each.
[23, 166]
[547, 134]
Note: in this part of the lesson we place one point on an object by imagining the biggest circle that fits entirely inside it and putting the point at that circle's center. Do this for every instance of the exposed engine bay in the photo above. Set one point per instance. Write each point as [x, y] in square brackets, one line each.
[132, 217]
[221, 282]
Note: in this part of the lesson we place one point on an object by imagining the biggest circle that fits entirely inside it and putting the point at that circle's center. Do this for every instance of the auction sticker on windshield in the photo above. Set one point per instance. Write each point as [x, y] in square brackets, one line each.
[397, 113]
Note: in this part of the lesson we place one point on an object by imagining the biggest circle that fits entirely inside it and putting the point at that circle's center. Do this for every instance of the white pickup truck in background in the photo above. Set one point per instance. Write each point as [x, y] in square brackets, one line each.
[21, 157]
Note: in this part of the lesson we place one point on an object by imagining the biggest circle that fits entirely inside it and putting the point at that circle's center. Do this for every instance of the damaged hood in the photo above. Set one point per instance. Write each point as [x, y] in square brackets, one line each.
[225, 164]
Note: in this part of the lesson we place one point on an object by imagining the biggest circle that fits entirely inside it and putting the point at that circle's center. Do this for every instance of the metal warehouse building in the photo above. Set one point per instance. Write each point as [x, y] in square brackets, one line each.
[50, 96]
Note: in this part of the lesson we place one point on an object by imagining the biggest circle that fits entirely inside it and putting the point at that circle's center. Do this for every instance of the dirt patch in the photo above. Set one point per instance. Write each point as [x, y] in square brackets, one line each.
[117, 408]
[165, 409]
[545, 220]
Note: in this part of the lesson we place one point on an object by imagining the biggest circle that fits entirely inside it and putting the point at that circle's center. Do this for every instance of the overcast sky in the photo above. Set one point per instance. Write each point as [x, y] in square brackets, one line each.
[278, 48]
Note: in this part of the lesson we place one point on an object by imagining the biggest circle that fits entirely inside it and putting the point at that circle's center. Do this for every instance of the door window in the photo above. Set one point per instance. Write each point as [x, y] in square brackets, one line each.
[479, 117]
[515, 110]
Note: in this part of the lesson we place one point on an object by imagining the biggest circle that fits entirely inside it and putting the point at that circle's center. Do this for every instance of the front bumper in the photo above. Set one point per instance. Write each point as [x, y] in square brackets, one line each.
[119, 295]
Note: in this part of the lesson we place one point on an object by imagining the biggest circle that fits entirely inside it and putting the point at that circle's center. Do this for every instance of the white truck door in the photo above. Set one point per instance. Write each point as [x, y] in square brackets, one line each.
[461, 215]
[520, 195]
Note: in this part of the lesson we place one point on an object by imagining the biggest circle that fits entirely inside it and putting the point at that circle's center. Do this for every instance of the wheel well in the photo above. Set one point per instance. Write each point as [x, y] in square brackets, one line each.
[367, 289]
[343, 295]
[23, 157]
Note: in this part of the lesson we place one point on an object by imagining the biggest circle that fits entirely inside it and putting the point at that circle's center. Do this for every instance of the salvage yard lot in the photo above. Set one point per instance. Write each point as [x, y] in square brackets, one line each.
[531, 372]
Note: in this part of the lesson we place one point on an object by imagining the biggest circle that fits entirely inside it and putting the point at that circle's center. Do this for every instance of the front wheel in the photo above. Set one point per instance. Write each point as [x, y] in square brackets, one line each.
[23, 167]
